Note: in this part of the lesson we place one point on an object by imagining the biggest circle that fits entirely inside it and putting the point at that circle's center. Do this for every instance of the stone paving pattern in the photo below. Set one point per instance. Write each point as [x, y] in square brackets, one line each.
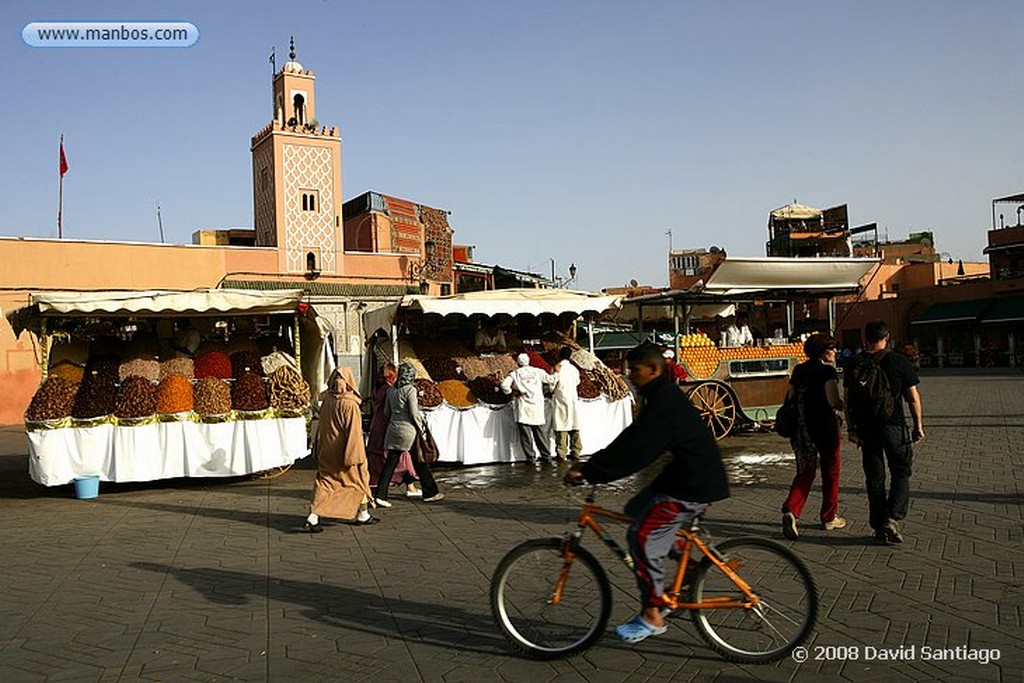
[211, 580]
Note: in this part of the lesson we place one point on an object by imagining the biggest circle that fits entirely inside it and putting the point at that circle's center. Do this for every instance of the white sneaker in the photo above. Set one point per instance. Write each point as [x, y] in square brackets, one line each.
[381, 503]
[414, 494]
[434, 498]
[837, 523]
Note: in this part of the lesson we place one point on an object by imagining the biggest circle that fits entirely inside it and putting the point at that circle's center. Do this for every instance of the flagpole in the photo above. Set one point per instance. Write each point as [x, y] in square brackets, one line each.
[60, 194]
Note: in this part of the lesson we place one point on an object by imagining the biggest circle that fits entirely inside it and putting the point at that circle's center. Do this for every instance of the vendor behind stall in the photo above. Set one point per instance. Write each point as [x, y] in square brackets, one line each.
[738, 333]
[490, 338]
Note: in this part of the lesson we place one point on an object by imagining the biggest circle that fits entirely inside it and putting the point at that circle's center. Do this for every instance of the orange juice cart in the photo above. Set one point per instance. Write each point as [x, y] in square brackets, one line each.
[742, 387]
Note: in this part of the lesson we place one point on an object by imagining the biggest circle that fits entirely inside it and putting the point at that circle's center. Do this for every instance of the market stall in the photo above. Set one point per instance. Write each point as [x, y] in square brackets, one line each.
[471, 419]
[140, 386]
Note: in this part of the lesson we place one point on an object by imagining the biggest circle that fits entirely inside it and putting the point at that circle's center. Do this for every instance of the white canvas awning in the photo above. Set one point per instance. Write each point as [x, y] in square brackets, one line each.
[797, 212]
[493, 302]
[738, 276]
[155, 302]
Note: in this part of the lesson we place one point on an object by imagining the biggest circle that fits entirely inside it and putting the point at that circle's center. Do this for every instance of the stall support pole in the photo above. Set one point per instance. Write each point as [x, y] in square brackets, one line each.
[675, 327]
[590, 331]
[789, 319]
[44, 346]
[298, 343]
[640, 321]
[830, 307]
[394, 345]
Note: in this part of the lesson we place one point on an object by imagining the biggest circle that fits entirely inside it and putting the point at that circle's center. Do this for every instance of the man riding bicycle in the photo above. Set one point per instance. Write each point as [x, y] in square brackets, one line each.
[694, 478]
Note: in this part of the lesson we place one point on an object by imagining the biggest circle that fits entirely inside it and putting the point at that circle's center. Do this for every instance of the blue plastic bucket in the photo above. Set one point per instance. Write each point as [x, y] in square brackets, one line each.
[87, 487]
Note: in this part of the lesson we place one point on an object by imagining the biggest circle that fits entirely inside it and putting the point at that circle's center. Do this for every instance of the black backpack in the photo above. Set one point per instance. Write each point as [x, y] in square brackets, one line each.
[870, 398]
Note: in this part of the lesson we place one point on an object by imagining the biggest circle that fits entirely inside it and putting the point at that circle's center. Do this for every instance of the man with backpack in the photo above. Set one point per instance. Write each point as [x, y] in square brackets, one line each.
[876, 383]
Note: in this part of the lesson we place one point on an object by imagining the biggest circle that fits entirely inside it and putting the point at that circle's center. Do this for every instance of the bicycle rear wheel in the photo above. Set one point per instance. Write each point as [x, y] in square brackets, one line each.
[521, 591]
[782, 620]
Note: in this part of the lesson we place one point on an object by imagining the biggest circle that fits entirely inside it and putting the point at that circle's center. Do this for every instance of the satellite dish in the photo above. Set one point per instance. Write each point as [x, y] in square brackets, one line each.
[713, 249]
[293, 122]
[925, 242]
[633, 283]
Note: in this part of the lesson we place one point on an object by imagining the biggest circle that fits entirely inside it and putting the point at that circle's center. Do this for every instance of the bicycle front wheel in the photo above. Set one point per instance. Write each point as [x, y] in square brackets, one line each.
[784, 615]
[522, 603]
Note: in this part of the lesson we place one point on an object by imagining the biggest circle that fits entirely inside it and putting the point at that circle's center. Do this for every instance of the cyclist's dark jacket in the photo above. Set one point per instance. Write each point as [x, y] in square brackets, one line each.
[667, 422]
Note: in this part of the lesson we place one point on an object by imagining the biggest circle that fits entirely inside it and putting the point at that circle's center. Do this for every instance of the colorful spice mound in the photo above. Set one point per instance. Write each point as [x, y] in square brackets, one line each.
[488, 390]
[67, 370]
[174, 395]
[208, 346]
[248, 393]
[212, 397]
[177, 366]
[537, 360]
[481, 366]
[148, 368]
[457, 394]
[97, 395]
[427, 393]
[246, 361]
[136, 398]
[53, 400]
[288, 389]
[213, 364]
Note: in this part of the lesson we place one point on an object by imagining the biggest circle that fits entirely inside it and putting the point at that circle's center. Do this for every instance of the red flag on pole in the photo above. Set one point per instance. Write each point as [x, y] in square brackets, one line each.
[63, 158]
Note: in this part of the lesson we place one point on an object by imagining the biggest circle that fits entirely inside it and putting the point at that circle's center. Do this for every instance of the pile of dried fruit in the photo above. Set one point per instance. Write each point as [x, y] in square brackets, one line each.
[457, 394]
[213, 364]
[248, 393]
[587, 388]
[288, 389]
[246, 361]
[97, 395]
[139, 366]
[174, 395]
[67, 370]
[212, 397]
[441, 368]
[136, 398]
[53, 400]
[488, 390]
[177, 366]
[427, 394]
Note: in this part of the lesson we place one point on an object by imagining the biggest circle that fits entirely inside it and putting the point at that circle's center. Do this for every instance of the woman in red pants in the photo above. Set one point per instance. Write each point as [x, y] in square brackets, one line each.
[819, 408]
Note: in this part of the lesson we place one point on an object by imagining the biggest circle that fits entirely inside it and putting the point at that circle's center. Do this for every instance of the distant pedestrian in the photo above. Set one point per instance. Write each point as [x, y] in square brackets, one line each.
[402, 409]
[341, 489]
[675, 371]
[565, 419]
[376, 454]
[816, 387]
[877, 383]
[529, 406]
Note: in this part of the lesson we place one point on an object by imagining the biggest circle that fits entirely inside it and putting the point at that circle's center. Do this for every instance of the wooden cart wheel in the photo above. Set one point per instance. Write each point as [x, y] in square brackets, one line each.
[716, 405]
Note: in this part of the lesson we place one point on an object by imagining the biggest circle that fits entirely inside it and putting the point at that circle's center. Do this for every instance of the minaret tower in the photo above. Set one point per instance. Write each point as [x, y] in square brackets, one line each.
[296, 178]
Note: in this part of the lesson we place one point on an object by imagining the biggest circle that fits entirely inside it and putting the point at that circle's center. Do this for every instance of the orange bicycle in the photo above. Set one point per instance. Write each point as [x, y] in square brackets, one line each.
[752, 600]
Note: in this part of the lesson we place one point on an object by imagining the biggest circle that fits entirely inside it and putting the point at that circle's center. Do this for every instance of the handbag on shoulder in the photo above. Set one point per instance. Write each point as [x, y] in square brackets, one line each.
[424, 448]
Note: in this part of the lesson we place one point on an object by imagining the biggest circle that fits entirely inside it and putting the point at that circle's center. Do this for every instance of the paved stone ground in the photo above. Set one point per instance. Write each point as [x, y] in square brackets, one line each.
[211, 581]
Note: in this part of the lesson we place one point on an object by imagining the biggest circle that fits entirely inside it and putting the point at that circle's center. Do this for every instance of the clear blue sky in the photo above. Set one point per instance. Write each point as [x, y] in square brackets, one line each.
[578, 130]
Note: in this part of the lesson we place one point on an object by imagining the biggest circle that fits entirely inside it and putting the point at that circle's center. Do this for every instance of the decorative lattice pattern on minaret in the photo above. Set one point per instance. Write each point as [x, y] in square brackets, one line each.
[263, 181]
[309, 168]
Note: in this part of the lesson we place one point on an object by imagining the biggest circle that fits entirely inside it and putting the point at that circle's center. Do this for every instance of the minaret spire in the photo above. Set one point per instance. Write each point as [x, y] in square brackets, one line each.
[291, 54]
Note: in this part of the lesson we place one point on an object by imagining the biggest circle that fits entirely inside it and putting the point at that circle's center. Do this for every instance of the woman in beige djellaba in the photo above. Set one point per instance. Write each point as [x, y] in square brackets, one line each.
[342, 486]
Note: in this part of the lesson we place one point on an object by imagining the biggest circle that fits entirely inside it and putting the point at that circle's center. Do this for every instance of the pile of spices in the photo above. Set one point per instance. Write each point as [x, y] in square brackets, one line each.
[174, 395]
[97, 395]
[213, 364]
[488, 390]
[457, 394]
[288, 389]
[53, 400]
[247, 360]
[68, 371]
[248, 393]
[212, 397]
[609, 383]
[427, 393]
[587, 388]
[136, 398]
[209, 345]
[537, 360]
[441, 368]
[177, 366]
[421, 372]
[148, 368]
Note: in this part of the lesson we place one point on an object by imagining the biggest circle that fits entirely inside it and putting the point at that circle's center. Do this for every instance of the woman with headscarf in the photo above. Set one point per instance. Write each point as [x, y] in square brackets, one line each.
[376, 454]
[402, 409]
[342, 486]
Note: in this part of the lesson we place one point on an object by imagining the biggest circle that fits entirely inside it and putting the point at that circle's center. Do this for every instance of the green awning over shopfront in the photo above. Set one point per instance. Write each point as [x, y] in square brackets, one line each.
[953, 312]
[1006, 310]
